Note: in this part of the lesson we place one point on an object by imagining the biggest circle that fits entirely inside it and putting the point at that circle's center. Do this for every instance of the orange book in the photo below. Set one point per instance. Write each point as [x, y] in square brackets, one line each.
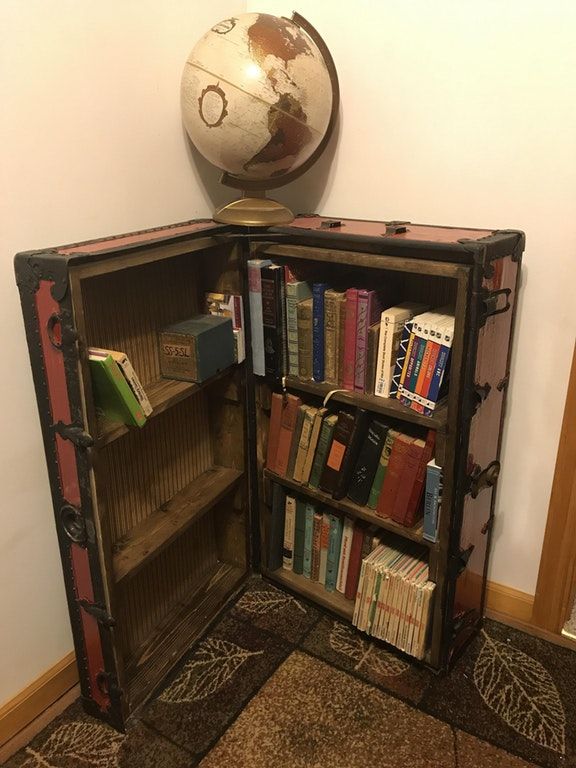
[407, 482]
[391, 484]
[288, 422]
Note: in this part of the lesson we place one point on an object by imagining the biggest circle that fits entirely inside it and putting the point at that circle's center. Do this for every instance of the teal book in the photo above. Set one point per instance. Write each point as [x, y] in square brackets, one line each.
[324, 442]
[295, 293]
[308, 536]
[334, 546]
[299, 533]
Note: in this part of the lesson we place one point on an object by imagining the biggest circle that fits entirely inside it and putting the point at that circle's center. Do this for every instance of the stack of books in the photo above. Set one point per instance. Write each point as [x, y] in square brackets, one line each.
[394, 598]
[351, 455]
[347, 337]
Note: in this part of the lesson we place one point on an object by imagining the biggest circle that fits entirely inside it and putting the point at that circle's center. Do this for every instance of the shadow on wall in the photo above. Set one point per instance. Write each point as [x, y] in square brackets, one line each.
[302, 196]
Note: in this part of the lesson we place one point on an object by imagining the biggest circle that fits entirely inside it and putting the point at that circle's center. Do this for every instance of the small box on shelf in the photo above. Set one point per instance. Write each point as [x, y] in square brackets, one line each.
[197, 348]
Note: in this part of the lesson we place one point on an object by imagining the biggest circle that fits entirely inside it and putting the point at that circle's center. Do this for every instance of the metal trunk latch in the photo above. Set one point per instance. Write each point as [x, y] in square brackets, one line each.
[482, 478]
[491, 303]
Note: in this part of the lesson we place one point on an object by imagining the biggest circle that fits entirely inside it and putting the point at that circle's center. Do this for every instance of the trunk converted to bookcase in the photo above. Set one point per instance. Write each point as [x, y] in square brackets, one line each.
[159, 527]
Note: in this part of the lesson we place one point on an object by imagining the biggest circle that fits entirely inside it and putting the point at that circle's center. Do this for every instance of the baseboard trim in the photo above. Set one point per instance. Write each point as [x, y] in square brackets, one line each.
[505, 604]
[508, 602]
[29, 704]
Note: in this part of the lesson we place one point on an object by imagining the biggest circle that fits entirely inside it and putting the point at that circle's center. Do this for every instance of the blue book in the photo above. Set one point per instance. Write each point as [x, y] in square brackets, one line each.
[432, 499]
[318, 291]
[440, 369]
[334, 546]
[308, 531]
[299, 533]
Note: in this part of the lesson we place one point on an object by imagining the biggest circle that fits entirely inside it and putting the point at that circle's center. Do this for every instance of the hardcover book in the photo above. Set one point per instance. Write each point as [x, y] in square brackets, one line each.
[113, 397]
[340, 440]
[334, 547]
[272, 286]
[355, 442]
[351, 313]
[407, 483]
[355, 562]
[274, 431]
[393, 474]
[324, 541]
[295, 440]
[295, 293]
[376, 488]
[129, 374]
[346, 546]
[372, 358]
[275, 537]
[368, 311]
[324, 442]
[304, 441]
[367, 463]
[304, 319]
[316, 546]
[287, 427]
[308, 539]
[256, 322]
[318, 291]
[229, 305]
[289, 530]
[299, 535]
[313, 444]
[334, 301]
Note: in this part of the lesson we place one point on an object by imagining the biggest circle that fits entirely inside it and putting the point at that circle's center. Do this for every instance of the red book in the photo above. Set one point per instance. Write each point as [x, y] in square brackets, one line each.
[355, 563]
[410, 468]
[274, 431]
[289, 417]
[418, 489]
[351, 312]
[391, 484]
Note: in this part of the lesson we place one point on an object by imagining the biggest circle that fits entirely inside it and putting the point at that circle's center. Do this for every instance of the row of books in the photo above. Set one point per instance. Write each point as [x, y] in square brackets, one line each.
[388, 583]
[350, 455]
[394, 597]
[345, 337]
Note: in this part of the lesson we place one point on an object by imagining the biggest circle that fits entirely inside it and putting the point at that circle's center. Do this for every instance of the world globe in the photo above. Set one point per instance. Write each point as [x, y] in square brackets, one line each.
[259, 99]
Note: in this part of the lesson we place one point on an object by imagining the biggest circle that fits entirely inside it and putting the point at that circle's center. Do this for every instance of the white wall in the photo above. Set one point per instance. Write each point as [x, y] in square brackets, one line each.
[452, 112]
[91, 144]
[463, 113]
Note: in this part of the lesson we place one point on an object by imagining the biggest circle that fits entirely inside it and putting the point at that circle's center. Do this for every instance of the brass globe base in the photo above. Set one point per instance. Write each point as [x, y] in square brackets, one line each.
[254, 212]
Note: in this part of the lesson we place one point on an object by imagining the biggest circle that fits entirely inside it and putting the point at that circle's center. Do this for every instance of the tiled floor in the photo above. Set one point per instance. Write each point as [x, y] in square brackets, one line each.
[277, 683]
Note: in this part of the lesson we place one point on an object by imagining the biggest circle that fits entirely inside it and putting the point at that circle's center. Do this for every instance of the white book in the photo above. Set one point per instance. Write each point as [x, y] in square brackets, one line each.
[289, 527]
[347, 534]
[256, 325]
[391, 326]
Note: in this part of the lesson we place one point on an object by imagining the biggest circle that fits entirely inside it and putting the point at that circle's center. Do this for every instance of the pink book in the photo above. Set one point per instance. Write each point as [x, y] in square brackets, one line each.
[350, 338]
[368, 312]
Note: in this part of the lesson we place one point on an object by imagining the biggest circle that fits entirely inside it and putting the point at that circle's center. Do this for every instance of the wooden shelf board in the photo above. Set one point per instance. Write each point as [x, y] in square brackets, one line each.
[388, 406]
[163, 394]
[158, 530]
[174, 635]
[349, 508]
[333, 601]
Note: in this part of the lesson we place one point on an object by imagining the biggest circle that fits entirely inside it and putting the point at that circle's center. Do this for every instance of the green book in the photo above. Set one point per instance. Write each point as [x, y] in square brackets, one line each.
[113, 397]
[334, 546]
[308, 531]
[382, 467]
[295, 293]
[321, 454]
[299, 533]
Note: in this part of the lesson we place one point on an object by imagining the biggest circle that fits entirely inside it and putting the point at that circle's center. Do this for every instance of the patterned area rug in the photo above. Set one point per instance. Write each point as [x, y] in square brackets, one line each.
[279, 684]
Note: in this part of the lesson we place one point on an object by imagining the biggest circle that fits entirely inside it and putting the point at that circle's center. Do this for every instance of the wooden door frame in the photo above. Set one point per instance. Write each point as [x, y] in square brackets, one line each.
[556, 586]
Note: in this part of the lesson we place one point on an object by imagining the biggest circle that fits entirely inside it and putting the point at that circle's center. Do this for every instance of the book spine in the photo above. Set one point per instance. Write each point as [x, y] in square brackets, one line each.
[346, 546]
[418, 489]
[432, 502]
[354, 563]
[353, 448]
[303, 444]
[324, 442]
[292, 328]
[334, 546]
[271, 320]
[274, 431]
[363, 313]
[437, 378]
[367, 464]
[313, 444]
[330, 340]
[324, 541]
[276, 531]
[295, 441]
[350, 338]
[289, 528]
[411, 354]
[299, 534]
[289, 417]
[393, 474]
[308, 536]
[255, 302]
[381, 470]
[131, 411]
[401, 358]
[316, 544]
[135, 384]
[340, 440]
[341, 319]
[407, 481]
[318, 291]
[371, 357]
[304, 315]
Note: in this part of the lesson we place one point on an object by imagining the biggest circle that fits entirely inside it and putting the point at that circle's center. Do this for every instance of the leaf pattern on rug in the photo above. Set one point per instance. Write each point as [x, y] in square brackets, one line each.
[212, 666]
[520, 690]
[91, 744]
[346, 641]
[260, 603]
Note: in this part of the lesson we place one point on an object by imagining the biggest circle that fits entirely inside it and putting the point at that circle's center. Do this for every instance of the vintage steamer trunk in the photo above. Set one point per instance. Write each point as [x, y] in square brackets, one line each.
[159, 527]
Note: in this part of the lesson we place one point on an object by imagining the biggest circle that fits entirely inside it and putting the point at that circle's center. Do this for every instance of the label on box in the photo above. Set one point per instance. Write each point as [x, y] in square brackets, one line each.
[178, 356]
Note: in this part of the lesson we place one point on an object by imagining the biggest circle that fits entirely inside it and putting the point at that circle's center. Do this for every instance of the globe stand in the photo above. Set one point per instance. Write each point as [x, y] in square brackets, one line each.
[254, 211]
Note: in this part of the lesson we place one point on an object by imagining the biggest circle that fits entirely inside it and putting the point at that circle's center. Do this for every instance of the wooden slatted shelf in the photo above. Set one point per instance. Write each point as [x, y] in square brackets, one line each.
[174, 635]
[163, 394]
[333, 601]
[388, 406]
[349, 508]
[158, 530]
